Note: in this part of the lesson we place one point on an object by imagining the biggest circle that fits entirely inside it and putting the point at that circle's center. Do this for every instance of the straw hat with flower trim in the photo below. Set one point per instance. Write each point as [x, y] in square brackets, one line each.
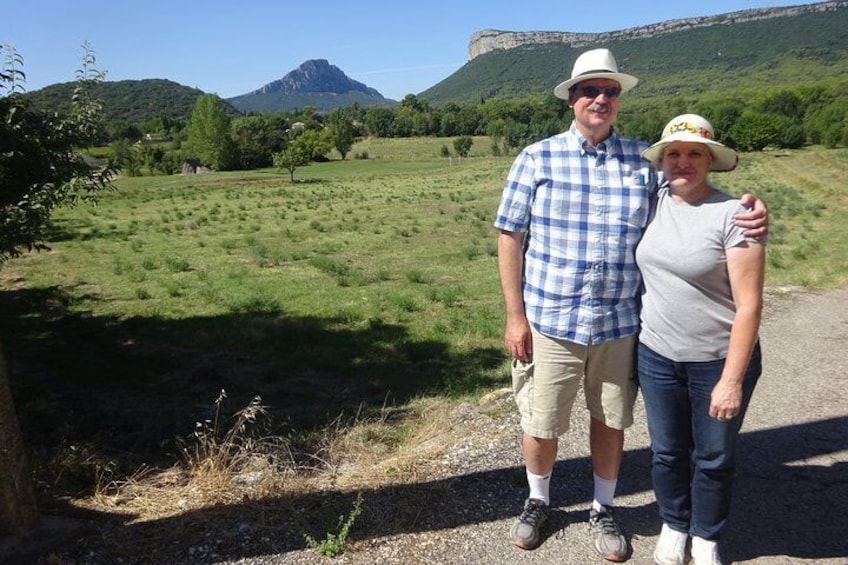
[693, 128]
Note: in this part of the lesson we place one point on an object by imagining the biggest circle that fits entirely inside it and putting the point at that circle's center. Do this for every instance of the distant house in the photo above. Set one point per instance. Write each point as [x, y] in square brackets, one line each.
[296, 129]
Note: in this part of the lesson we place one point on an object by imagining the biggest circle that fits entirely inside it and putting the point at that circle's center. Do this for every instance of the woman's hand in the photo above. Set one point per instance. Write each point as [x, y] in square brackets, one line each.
[726, 400]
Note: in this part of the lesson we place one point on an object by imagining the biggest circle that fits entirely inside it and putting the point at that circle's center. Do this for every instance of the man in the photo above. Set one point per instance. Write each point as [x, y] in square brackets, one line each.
[573, 209]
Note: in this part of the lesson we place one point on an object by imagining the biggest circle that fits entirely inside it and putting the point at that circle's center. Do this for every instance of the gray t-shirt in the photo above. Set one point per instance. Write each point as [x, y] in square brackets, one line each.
[687, 305]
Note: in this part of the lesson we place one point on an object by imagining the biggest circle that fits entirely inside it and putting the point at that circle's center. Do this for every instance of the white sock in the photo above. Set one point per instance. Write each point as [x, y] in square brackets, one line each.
[604, 492]
[540, 486]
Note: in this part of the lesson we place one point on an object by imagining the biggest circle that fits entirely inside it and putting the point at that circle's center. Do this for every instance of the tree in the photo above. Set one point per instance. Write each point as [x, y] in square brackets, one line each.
[783, 102]
[40, 169]
[822, 120]
[516, 134]
[258, 137]
[379, 121]
[468, 120]
[126, 156]
[448, 125]
[209, 137]
[123, 130]
[317, 143]
[722, 116]
[341, 131]
[462, 145]
[754, 130]
[297, 154]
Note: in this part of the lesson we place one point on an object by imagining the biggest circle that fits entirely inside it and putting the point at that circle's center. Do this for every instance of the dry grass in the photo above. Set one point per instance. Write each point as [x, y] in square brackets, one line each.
[238, 464]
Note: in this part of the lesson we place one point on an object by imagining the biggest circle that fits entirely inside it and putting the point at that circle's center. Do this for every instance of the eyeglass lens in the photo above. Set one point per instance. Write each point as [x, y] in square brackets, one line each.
[594, 91]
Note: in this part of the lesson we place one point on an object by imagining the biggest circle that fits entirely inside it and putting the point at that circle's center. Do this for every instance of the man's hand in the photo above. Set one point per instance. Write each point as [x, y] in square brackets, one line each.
[756, 221]
[518, 340]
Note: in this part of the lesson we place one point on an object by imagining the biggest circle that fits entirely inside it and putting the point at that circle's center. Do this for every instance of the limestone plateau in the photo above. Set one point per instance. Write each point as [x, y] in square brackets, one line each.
[488, 40]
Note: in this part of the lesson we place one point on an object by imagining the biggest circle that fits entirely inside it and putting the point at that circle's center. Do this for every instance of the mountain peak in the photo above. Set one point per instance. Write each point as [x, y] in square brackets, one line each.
[320, 77]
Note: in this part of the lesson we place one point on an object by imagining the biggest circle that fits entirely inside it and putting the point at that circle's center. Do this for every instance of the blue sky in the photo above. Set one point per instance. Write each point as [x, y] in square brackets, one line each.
[231, 48]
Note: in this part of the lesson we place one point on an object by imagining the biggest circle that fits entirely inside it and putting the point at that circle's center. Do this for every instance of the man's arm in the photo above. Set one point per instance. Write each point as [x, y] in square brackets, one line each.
[517, 339]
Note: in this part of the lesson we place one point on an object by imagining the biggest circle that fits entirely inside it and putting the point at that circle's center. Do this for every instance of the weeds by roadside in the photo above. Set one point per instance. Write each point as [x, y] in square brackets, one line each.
[335, 544]
[213, 453]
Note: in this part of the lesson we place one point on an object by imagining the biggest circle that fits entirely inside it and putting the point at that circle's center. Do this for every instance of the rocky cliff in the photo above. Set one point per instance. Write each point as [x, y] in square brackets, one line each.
[491, 39]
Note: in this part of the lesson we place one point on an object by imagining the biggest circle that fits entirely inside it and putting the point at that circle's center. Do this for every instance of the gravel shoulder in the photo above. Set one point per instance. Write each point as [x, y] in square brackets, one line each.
[790, 494]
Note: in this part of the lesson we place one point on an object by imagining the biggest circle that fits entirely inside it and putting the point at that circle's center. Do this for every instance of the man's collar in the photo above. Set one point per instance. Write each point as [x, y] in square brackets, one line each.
[611, 141]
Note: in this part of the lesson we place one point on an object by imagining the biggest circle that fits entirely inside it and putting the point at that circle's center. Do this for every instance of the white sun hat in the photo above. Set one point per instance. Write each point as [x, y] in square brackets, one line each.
[693, 128]
[597, 63]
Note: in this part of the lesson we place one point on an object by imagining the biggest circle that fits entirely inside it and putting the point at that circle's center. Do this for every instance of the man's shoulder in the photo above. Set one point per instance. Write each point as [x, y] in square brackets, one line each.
[630, 145]
[559, 142]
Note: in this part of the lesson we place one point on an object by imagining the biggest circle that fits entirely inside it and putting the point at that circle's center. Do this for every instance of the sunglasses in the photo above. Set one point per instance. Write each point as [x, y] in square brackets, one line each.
[611, 92]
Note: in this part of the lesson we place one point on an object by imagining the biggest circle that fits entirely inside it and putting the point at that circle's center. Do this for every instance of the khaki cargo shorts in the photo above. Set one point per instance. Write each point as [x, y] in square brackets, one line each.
[546, 388]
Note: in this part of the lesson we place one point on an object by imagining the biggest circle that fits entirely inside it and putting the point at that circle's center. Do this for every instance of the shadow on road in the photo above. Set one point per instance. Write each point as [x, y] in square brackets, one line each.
[131, 383]
[782, 506]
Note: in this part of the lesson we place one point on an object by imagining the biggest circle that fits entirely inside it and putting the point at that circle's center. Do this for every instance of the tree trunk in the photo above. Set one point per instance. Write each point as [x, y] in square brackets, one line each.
[18, 508]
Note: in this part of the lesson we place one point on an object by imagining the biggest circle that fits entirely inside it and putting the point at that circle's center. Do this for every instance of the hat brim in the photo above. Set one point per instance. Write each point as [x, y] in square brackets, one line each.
[724, 158]
[625, 81]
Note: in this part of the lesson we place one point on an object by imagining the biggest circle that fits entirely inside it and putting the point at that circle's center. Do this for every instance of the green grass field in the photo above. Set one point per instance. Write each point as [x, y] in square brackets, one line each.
[364, 284]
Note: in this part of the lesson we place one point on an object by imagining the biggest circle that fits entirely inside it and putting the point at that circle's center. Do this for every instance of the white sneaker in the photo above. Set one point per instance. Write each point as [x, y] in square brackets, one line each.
[671, 547]
[705, 552]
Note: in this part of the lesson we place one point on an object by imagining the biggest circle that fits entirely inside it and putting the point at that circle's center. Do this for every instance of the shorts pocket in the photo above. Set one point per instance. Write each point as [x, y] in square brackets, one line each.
[522, 382]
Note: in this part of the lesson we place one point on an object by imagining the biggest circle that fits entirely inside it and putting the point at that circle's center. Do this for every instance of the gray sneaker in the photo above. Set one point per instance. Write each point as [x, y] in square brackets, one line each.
[525, 532]
[609, 541]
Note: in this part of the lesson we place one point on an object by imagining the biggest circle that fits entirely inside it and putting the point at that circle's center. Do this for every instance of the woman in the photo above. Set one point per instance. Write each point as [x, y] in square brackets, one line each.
[698, 352]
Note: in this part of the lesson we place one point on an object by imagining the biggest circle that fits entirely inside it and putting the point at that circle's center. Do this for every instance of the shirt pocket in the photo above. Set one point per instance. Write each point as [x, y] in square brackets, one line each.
[636, 217]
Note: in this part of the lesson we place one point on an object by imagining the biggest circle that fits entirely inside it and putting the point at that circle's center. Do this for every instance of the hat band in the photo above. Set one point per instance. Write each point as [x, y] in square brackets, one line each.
[597, 71]
[689, 127]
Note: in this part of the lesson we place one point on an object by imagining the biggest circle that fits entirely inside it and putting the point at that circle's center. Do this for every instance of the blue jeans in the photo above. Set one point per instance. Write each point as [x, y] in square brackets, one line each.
[693, 455]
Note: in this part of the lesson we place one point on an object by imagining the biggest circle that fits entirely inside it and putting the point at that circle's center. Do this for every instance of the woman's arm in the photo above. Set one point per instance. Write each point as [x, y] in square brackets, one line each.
[746, 268]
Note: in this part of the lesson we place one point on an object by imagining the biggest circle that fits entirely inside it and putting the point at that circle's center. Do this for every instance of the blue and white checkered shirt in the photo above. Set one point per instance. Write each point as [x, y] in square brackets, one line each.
[585, 208]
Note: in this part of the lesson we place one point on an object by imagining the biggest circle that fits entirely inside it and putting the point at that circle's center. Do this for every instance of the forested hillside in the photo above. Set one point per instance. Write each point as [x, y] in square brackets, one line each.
[131, 101]
[742, 56]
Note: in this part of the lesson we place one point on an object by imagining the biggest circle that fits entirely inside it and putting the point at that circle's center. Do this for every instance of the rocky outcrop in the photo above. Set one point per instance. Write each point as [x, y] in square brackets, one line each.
[491, 39]
[194, 167]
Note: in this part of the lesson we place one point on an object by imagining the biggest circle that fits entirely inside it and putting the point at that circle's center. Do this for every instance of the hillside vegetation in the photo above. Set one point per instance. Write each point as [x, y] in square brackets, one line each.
[739, 57]
[130, 101]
